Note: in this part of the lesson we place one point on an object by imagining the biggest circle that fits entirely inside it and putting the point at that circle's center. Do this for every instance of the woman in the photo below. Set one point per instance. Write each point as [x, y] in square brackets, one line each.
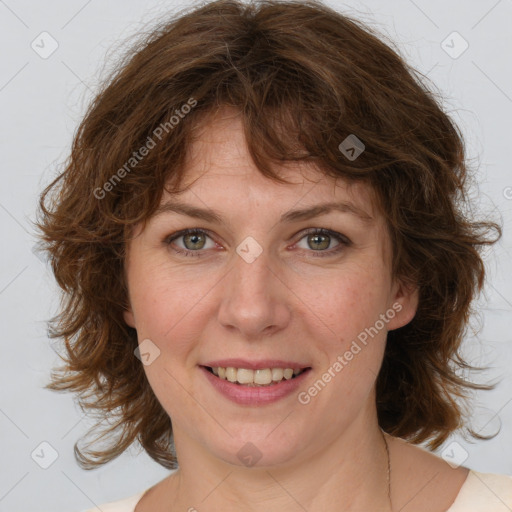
[267, 271]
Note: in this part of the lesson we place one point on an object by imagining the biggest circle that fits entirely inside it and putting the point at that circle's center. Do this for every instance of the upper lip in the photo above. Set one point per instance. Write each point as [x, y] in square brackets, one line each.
[255, 365]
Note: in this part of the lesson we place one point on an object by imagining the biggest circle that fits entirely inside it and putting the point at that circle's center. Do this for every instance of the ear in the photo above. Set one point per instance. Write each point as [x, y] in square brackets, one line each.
[129, 318]
[404, 304]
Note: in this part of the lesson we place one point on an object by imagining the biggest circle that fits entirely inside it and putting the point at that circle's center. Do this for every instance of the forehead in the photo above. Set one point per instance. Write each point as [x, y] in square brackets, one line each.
[219, 169]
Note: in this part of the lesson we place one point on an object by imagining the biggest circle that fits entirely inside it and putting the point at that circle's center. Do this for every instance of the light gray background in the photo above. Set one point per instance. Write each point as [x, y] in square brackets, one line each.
[41, 102]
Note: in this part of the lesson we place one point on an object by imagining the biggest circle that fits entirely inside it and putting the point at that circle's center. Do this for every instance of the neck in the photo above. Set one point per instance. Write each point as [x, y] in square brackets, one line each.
[352, 470]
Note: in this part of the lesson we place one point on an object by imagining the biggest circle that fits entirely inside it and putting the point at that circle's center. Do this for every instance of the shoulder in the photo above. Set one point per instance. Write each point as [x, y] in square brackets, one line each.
[484, 492]
[124, 505]
[456, 489]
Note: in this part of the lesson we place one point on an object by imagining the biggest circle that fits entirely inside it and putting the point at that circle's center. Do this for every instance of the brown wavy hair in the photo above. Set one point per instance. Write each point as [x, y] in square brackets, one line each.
[303, 77]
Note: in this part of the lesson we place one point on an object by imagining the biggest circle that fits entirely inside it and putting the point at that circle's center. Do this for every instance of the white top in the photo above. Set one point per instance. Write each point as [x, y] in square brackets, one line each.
[481, 492]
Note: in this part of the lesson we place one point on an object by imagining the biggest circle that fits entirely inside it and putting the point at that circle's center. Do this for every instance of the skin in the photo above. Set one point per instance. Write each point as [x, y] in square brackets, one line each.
[287, 304]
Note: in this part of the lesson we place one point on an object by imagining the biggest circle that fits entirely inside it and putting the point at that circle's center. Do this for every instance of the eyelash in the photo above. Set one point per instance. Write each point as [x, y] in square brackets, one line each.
[343, 241]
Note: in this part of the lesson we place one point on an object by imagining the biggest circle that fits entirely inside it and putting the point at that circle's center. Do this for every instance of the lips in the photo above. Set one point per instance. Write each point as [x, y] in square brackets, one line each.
[253, 394]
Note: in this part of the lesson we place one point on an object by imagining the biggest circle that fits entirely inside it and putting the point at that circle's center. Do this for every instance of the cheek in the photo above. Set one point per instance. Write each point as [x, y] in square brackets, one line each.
[352, 347]
[344, 302]
[171, 309]
[166, 308]
[160, 295]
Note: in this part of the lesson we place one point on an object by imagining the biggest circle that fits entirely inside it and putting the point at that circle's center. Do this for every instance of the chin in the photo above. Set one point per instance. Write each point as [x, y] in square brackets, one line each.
[256, 450]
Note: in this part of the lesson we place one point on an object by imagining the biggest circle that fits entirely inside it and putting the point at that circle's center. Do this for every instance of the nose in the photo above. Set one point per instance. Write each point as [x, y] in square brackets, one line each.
[255, 300]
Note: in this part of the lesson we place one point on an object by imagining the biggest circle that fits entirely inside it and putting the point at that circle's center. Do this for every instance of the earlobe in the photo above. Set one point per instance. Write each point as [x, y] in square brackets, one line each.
[128, 317]
[405, 305]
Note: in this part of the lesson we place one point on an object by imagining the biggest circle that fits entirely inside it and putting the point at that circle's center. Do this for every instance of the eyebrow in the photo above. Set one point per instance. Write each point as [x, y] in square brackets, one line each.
[213, 216]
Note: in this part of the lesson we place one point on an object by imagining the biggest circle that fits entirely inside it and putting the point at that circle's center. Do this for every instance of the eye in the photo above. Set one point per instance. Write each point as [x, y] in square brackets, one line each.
[193, 239]
[320, 239]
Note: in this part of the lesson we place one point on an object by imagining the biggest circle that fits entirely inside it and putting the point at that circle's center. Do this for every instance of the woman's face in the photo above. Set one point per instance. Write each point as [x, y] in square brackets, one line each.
[257, 287]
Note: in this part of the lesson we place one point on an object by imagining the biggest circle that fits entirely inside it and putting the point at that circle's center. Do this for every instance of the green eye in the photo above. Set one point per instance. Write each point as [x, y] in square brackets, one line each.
[319, 239]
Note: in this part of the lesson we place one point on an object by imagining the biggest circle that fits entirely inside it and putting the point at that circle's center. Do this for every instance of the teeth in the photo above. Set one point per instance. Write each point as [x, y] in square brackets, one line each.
[244, 376]
[231, 374]
[288, 373]
[262, 377]
[277, 374]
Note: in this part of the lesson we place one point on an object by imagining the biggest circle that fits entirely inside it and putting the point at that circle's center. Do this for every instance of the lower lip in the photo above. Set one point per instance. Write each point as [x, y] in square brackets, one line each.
[257, 395]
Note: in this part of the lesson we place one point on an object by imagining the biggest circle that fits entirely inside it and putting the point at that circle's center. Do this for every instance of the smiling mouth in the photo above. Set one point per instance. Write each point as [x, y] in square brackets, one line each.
[256, 378]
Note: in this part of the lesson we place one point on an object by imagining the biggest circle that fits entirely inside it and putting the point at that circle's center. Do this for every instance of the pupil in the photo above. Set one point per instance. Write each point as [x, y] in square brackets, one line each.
[194, 239]
[317, 239]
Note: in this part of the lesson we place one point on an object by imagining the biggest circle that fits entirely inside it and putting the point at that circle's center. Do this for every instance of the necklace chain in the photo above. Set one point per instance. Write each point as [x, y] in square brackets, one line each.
[389, 469]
